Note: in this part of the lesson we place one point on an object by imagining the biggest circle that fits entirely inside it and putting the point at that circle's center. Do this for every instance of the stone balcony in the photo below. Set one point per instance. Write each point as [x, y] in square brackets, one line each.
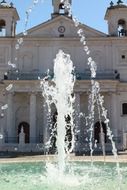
[101, 75]
[86, 75]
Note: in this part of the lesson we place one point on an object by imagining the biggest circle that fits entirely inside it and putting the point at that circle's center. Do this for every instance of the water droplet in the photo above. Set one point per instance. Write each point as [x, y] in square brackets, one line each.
[25, 33]
[86, 48]
[84, 43]
[80, 31]
[81, 114]
[36, 1]
[30, 10]
[4, 107]
[9, 87]
[17, 46]
[90, 59]
[82, 40]
[1, 136]
[95, 144]
[5, 73]
[76, 22]
[2, 115]
[11, 64]
[20, 40]
[15, 148]
[106, 121]
[88, 52]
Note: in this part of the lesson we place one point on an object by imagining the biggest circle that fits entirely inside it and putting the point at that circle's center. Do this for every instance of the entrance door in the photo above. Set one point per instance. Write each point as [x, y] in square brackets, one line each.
[26, 129]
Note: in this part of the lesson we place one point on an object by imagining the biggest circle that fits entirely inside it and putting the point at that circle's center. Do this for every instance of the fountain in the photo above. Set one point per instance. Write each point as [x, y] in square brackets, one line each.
[61, 91]
[62, 173]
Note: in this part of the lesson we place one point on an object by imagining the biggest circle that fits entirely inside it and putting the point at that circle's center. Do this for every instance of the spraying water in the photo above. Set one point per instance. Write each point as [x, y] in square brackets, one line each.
[60, 92]
[94, 97]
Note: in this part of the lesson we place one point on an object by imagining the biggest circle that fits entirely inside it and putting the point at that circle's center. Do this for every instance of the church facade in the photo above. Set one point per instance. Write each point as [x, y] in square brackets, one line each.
[23, 115]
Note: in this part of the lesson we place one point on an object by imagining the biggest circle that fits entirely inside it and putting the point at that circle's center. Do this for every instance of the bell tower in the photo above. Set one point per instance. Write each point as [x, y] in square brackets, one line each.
[58, 8]
[116, 16]
[8, 19]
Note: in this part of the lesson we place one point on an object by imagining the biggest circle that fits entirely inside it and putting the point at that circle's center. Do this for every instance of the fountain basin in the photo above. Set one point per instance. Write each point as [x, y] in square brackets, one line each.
[79, 175]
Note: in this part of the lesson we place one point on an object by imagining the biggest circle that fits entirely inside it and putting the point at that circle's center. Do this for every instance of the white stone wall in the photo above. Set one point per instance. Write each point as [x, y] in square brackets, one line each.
[37, 54]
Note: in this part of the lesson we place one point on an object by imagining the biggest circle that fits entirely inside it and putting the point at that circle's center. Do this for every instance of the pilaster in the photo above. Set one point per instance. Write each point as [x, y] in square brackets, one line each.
[32, 118]
[10, 116]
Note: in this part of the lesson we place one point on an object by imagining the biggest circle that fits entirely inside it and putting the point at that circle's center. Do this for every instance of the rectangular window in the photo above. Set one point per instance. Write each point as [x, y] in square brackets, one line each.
[123, 56]
[124, 109]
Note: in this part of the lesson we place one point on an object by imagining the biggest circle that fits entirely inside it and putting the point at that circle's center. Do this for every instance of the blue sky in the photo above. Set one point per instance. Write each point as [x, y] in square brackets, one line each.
[88, 12]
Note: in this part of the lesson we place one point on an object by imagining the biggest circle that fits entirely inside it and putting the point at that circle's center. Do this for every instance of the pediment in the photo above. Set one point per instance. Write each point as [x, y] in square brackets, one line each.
[51, 28]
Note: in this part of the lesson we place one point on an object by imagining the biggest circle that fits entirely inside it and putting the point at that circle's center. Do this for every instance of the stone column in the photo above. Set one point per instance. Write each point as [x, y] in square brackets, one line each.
[32, 118]
[10, 119]
[114, 116]
[2, 125]
[77, 121]
[77, 110]
[46, 134]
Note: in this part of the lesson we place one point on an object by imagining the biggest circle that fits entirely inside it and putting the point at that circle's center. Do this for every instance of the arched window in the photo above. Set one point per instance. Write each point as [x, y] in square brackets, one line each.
[97, 131]
[2, 28]
[122, 28]
[61, 8]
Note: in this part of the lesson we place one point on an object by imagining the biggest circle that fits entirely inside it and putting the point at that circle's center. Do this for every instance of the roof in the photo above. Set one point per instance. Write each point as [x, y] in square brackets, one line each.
[52, 25]
[115, 7]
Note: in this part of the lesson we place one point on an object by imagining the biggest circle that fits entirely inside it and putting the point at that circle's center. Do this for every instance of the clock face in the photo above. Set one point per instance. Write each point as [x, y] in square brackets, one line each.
[61, 29]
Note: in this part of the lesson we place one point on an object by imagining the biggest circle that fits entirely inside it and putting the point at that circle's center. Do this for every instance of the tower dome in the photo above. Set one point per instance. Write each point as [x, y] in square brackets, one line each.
[116, 16]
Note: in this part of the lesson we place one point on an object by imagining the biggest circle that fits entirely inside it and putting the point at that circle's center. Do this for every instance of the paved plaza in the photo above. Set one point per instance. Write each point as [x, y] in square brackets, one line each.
[122, 158]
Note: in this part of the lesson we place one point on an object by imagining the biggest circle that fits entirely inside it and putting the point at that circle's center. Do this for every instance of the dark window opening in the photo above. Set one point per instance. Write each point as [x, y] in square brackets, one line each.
[2, 28]
[123, 56]
[61, 35]
[61, 8]
[122, 28]
[124, 108]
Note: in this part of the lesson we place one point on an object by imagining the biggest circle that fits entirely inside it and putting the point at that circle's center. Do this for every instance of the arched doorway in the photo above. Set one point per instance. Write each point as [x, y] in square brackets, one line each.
[68, 135]
[26, 129]
[97, 131]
